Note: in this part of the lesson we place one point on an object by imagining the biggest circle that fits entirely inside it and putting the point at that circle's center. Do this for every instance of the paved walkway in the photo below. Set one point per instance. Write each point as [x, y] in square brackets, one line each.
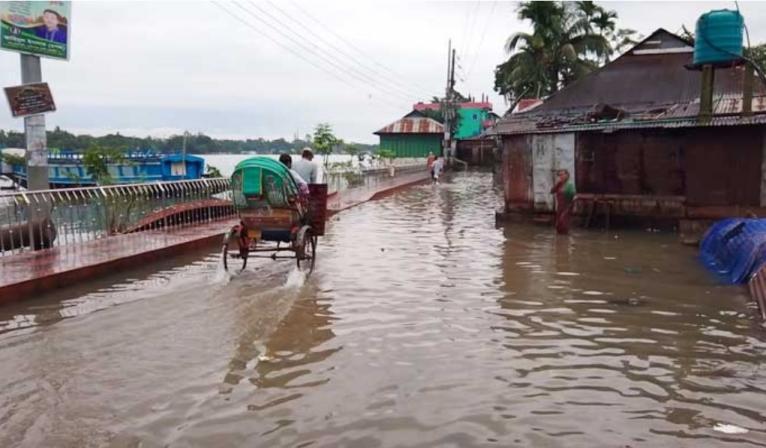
[32, 272]
[26, 274]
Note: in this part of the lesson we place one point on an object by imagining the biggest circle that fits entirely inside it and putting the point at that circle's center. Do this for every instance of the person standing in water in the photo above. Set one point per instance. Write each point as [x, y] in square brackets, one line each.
[437, 168]
[430, 160]
[564, 194]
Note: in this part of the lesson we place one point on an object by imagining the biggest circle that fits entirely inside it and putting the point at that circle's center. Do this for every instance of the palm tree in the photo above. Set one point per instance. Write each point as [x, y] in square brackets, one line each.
[561, 48]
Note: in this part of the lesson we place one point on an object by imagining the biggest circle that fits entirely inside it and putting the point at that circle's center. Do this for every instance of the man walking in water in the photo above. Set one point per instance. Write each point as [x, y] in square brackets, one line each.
[305, 167]
[564, 191]
[437, 168]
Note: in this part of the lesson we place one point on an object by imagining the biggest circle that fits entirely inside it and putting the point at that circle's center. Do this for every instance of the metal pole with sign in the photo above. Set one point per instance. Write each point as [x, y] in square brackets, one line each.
[35, 29]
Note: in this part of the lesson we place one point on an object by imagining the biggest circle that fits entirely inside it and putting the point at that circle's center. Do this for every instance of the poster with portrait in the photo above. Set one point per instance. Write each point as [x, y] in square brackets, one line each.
[39, 28]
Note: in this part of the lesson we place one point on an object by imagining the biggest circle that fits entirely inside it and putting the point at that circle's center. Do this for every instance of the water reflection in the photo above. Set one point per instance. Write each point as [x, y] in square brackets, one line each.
[276, 351]
[622, 323]
[423, 324]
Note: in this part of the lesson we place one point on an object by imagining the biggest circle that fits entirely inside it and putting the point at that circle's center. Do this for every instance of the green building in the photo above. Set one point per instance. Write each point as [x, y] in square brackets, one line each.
[471, 120]
[414, 135]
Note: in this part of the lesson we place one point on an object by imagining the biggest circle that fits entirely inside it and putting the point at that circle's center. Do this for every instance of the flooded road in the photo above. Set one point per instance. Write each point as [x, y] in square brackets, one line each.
[422, 325]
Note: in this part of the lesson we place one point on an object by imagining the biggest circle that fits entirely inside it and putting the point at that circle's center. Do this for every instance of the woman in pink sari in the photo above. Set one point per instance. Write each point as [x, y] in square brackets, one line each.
[564, 195]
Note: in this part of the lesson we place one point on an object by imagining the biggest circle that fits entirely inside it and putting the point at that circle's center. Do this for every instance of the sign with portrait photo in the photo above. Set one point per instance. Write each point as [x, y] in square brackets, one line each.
[38, 28]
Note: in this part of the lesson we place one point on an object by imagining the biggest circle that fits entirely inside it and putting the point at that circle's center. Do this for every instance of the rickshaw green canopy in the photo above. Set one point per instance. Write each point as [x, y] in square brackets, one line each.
[262, 181]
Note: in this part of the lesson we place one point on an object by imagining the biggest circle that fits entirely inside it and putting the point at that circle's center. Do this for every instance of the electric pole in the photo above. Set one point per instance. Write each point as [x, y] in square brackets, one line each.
[183, 154]
[446, 105]
[449, 103]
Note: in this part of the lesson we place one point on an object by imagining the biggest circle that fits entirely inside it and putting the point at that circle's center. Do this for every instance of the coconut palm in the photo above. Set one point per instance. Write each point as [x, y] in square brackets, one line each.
[562, 47]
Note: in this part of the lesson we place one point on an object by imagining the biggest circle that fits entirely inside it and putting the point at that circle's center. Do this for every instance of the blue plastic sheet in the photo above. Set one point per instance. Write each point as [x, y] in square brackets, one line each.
[734, 248]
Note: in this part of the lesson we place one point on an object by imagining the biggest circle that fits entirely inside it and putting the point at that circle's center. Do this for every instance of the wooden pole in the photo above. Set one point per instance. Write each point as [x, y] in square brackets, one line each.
[747, 91]
[706, 94]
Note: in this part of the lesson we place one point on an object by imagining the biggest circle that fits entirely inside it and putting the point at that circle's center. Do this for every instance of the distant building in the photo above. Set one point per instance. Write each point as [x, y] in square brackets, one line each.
[632, 138]
[416, 134]
[473, 117]
[413, 135]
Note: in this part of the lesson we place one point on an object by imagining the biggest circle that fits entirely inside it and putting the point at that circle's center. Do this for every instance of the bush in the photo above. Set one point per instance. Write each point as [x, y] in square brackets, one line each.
[12, 159]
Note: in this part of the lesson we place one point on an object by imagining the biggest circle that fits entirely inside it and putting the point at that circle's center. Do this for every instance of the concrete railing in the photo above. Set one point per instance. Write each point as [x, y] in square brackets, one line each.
[351, 178]
[40, 219]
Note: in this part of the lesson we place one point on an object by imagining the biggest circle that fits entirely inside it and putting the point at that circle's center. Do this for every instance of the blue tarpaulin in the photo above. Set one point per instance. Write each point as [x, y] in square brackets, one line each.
[734, 248]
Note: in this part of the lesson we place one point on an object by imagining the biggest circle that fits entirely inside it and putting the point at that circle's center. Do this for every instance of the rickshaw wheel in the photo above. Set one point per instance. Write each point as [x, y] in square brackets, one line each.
[233, 235]
[306, 249]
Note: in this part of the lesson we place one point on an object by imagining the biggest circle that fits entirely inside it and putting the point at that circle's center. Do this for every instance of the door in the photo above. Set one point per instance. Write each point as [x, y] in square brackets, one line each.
[550, 152]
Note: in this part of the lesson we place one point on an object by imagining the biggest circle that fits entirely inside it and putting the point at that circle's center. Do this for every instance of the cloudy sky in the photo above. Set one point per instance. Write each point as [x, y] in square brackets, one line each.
[276, 68]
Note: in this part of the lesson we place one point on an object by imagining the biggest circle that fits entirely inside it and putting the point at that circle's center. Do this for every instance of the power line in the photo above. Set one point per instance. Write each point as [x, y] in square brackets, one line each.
[471, 21]
[483, 35]
[296, 53]
[391, 82]
[320, 56]
[318, 52]
[350, 45]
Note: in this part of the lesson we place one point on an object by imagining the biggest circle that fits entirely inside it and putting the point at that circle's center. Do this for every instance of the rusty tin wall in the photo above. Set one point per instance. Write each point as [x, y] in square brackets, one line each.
[630, 162]
[723, 165]
[719, 166]
[517, 172]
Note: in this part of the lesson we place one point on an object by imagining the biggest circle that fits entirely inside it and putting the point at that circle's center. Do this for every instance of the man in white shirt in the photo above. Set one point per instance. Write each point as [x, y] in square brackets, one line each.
[306, 168]
[437, 168]
[303, 187]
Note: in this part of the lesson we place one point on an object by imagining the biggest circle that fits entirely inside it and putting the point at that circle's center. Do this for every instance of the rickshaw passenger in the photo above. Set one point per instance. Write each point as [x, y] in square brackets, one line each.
[305, 166]
[303, 187]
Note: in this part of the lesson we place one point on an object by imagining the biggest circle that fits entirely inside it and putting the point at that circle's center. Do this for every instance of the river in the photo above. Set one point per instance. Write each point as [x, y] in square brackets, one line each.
[422, 325]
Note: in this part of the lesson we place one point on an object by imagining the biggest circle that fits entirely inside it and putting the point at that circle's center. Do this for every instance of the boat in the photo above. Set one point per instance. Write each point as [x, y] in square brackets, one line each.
[66, 168]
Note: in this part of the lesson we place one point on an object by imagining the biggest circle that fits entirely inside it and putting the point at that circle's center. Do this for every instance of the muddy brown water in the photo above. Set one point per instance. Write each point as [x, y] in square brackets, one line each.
[423, 325]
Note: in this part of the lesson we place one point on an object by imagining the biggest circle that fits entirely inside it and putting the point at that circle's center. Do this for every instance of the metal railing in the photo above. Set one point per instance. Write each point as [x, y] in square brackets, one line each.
[32, 220]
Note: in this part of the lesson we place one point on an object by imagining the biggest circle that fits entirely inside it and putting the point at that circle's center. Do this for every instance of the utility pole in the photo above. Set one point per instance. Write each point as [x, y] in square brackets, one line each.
[34, 130]
[449, 104]
[183, 154]
[448, 94]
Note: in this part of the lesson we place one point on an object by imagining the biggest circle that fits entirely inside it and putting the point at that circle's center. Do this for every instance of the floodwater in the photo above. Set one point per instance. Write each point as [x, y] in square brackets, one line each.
[423, 325]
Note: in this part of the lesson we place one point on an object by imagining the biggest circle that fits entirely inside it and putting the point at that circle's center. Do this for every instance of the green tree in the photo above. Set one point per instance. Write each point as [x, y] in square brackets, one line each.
[568, 41]
[757, 54]
[324, 141]
[12, 159]
[212, 171]
[96, 160]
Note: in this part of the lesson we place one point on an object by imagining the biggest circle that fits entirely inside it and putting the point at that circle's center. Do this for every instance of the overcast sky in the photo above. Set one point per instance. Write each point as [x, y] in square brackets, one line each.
[154, 68]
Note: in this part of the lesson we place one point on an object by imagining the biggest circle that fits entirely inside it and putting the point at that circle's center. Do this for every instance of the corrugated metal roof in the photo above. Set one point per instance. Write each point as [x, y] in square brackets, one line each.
[532, 127]
[527, 104]
[465, 105]
[413, 125]
[646, 88]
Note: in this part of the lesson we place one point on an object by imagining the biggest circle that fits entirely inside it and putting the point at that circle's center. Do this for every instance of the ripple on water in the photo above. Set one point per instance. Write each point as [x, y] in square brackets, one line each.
[422, 322]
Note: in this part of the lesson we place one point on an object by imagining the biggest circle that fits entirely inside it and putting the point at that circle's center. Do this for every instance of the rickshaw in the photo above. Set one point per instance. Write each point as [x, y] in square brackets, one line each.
[274, 217]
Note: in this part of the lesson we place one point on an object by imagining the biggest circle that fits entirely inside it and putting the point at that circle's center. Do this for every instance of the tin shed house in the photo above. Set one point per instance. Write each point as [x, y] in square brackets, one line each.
[633, 139]
[414, 135]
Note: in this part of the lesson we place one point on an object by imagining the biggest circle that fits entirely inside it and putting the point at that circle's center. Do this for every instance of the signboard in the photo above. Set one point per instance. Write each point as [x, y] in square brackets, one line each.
[30, 99]
[38, 28]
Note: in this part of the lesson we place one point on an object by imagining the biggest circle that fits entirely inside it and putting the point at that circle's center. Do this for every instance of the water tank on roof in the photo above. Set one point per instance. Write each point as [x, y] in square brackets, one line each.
[718, 37]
